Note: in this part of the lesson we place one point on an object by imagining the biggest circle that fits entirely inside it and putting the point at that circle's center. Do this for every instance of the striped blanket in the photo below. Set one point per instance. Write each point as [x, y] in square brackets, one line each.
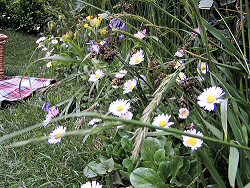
[16, 88]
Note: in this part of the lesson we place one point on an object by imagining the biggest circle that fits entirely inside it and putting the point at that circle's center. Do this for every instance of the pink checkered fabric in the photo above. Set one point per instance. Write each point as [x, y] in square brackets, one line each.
[12, 89]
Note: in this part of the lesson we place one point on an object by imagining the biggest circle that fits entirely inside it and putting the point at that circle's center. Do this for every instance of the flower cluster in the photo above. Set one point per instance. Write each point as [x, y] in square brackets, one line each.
[51, 112]
[92, 184]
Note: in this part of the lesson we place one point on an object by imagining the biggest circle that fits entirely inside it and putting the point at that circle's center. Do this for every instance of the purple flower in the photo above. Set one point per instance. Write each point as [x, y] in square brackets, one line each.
[46, 106]
[115, 23]
[121, 37]
[123, 27]
[93, 46]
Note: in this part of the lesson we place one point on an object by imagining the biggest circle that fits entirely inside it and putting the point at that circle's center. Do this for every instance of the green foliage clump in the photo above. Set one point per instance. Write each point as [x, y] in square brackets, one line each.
[31, 16]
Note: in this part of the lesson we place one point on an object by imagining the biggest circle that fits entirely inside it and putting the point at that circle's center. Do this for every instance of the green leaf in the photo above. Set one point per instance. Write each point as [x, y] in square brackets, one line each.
[211, 169]
[168, 148]
[108, 164]
[150, 146]
[89, 170]
[128, 164]
[185, 179]
[175, 165]
[146, 178]
[100, 169]
[233, 165]
[217, 34]
[164, 168]
[127, 143]
[149, 164]
[223, 110]
[159, 156]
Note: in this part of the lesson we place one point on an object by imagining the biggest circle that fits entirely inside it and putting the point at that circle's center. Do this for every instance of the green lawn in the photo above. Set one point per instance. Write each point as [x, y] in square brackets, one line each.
[38, 164]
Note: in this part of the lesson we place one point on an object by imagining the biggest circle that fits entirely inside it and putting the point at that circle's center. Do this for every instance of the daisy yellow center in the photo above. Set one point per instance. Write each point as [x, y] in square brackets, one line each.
[97, 75]
[138, 60]
[192, 141]
[163, 123]
[184, 114]
[120, 108]
[58, 135]
[131, 87]
[203, 67]
[211, 98]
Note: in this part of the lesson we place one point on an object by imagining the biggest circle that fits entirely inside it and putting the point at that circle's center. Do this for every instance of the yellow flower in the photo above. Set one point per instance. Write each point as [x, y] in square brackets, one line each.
[94, 21]
[104, 31]
[86, 26]
[89, 18]
[67, 36]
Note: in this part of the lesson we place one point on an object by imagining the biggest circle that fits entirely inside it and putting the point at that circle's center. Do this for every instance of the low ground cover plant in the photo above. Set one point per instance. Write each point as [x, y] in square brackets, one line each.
[164, 117]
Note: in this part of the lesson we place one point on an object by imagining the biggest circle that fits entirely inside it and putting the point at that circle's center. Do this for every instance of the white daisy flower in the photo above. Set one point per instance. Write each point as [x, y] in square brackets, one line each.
[121, 74]
[119, 107]
[40, 45]
[181, 77]
[128, 116]
[123, 71]
[179, 53]
[54, 41]
[41, 39]
[202, 68]
[57, 135]
[183, 113]
[44, 49]
[94, 121]
[129, 86]
[193, 143]
[93, 184]
[209, 97]
[95, 77]
[137, 58]
[49, 64]
[162, 120]
[141, 34]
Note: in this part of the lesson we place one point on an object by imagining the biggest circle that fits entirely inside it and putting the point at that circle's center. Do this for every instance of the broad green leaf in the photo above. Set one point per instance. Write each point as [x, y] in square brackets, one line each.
[149, 164]
[100, 169]
[233, 165]
[145, 178]
[211, 169]
[108, 164]
[185, 179]
[150, 146]
[223, 110]
[175, 165]
[127, 143]
[159, 156]
[90, 170]
[128, 163]
[164, 168]
[186, 166]
[175, 182]
[168, 148]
